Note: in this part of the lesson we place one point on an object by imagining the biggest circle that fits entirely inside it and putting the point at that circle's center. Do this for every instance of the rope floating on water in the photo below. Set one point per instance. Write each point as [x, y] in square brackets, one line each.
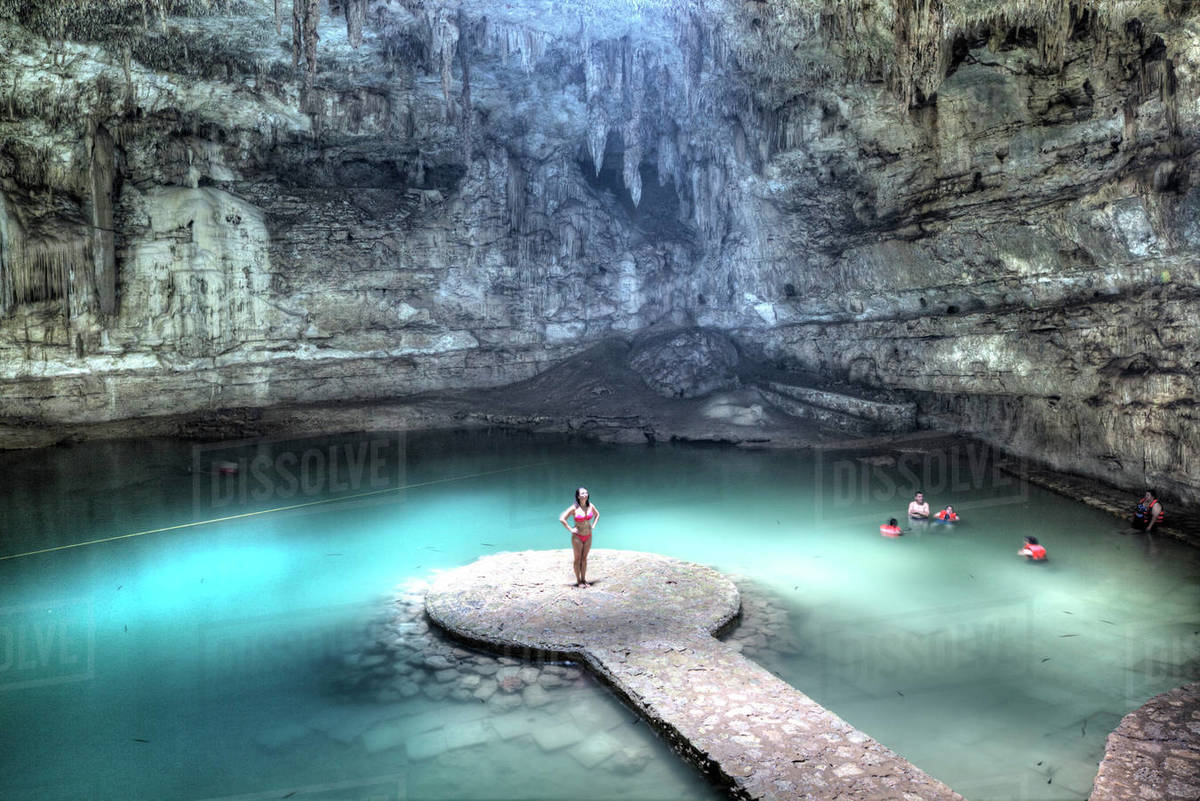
[210, 521]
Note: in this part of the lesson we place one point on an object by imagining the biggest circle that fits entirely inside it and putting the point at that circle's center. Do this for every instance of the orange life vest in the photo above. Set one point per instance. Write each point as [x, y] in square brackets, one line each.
[1036, 552]
[1145, 509]
[949, 517]
[889, 531]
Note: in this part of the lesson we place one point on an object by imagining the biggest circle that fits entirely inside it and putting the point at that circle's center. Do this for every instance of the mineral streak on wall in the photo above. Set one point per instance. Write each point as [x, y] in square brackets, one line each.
[989, 205]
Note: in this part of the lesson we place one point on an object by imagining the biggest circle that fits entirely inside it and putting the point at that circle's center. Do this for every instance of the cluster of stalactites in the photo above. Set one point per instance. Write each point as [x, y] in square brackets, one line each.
[48, 253]
[35, 270]
[921, 53]
[920, 33]
[509, 41]
[641, 94]
[617, 69]
[306, 14]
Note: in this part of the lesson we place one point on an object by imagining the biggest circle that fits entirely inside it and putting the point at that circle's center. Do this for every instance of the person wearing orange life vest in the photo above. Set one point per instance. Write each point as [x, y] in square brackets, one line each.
[947, 515]
[1033, 550]
[890, 529]
[1149, 512]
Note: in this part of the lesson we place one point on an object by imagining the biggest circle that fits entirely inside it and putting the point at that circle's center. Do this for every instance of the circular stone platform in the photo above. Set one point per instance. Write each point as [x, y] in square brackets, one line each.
[645, 626]
[528, 600]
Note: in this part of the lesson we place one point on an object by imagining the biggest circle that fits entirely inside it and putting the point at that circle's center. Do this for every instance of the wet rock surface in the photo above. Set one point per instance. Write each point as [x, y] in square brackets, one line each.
[645, 626]
[1154, 754]
[689, 364]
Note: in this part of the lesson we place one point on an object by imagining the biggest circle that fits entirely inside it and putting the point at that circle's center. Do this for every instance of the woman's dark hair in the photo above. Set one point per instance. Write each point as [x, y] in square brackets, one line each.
[892, 522]
[1031, 540]
[579, 503]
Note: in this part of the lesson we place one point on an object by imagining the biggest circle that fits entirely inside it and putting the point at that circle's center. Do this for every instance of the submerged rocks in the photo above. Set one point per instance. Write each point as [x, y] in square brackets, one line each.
[406, 691]
[401, 666]
[763, 632]
[400, 657]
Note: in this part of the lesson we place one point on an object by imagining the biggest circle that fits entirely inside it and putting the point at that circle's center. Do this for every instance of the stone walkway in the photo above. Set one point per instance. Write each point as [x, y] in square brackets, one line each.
[1155, 753]
[646, 626]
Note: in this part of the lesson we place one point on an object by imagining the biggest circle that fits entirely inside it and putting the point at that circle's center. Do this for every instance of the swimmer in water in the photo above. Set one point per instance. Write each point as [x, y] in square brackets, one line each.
[584, 514]
[1033, 550]
[947, 515]
[919, 508]
[890, 529]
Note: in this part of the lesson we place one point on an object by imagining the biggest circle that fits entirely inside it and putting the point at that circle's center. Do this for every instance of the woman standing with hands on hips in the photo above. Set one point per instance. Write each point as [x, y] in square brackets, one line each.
[584, 514]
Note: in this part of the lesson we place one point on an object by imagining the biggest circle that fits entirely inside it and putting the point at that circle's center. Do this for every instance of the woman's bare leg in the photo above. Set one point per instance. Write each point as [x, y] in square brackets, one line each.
[587, 547]
[578, 546]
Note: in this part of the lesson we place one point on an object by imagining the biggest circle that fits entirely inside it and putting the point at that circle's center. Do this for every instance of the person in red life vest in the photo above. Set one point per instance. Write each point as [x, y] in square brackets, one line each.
[1033, 550]
[890, 529]
[947, 515]
[1149, 512]
[919, 508]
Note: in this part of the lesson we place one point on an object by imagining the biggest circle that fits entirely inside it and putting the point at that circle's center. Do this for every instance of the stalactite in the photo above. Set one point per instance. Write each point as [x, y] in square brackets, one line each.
[668, 160]
[595, 72]
[632, 133]
[464, 57]
[278, 18]
[514, 195]
[312, 15]
[102, 173]
[445, 41]
[597, 135]
[7, 262]
[298, 7]
[1170, 103]
[356, 12]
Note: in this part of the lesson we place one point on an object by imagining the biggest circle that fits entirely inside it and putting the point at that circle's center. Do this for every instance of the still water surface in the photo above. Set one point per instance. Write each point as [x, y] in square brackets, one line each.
[194, 662]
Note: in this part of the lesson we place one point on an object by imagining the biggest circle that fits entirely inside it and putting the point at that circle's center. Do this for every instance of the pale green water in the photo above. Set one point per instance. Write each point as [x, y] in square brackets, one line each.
[212, 643]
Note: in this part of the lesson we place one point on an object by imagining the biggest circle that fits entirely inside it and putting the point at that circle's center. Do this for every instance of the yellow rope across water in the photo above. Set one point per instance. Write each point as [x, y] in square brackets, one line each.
[338, 499]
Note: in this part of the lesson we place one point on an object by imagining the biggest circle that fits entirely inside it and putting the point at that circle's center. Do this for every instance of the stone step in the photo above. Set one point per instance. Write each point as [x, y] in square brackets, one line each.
[847, 413]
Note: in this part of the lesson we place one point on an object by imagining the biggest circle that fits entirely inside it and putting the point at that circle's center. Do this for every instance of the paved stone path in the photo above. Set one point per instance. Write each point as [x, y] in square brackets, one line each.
[646, 627]
[1155, 753]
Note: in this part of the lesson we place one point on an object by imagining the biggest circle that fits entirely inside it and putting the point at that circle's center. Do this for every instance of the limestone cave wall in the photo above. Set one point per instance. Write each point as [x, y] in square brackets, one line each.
[234, 203]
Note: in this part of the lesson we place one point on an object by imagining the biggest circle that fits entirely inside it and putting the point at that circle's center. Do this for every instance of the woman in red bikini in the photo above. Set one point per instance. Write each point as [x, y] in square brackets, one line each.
[584, 514]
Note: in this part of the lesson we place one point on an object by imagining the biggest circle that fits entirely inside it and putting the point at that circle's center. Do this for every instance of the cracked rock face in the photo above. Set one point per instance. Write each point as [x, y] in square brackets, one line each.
[991, 208]
[689, 364]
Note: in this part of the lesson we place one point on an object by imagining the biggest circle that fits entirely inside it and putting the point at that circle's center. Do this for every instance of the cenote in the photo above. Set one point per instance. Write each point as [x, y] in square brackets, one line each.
[231, 659]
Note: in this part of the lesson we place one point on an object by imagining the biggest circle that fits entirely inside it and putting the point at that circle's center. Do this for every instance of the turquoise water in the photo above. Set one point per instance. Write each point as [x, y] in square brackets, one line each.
[195, 662]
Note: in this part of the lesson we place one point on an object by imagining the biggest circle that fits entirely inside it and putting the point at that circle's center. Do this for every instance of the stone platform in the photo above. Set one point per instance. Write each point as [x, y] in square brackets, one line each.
[646, 627]
[1155, 753]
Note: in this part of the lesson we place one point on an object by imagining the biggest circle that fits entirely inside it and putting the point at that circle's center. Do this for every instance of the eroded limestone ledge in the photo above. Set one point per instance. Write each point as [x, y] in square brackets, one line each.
[1155, 753]
[646, 627]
